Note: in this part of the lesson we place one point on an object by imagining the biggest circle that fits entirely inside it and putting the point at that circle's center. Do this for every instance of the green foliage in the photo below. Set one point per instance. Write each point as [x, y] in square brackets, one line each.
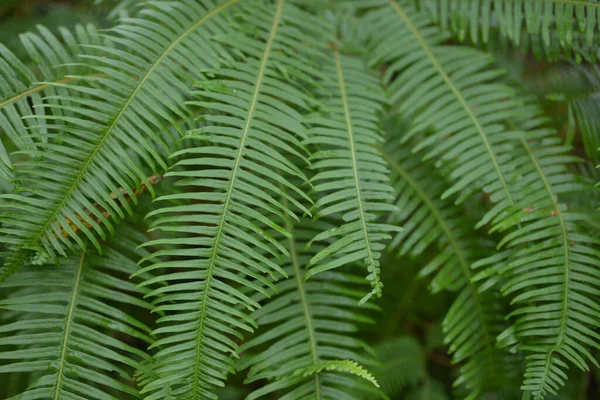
[72, 334]
[292, 240]
[473, 320]
[308, 326]
[352, 176]
[559, 259]
[565, 26]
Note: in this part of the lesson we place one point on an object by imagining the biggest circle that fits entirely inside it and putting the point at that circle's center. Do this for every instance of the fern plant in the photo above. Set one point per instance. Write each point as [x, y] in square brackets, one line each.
[245, 199]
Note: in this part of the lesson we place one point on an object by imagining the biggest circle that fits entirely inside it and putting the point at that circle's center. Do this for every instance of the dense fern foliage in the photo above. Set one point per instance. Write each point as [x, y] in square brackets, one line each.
[292, 199]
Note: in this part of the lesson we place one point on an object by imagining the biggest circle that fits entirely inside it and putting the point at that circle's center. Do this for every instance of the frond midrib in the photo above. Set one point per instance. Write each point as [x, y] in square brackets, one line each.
[305, 308]
[349, 129]
[234, 173]
[456, 92]
[489, 341]
[565, 244]
[107, 132]
[68, 327]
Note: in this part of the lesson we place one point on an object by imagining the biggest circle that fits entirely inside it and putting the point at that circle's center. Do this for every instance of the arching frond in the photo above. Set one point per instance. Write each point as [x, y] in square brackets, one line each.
[74, 333]
[222, 246]
[307, 324]
[350, 175]
[21, 93]
[432, 225]
[574, 24]
[452, 94]
[552, 268]
[114, 134]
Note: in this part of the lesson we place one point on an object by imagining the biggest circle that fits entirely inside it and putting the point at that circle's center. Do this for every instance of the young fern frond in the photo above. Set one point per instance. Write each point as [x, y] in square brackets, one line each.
[348, 366]
[552, 268]
[22, 94]
[222, 246]
[351, 176]
[474, 319]
[300, 334]
[574, 24]
[450, 92]
[113, 133]
[75, 334]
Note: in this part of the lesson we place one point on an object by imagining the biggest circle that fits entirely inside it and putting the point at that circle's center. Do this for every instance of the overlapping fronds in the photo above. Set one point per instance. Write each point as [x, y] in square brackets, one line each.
[432, 225]
[350, 174]
[234, 185]
[551, 272]
[306, 324]
[74, 333]
[573, 24]
[451, 93]
[21, 93]
[115, 127]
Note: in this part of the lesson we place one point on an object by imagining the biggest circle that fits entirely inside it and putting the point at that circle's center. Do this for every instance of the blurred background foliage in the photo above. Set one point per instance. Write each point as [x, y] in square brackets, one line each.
[407, 330]
[20, 16]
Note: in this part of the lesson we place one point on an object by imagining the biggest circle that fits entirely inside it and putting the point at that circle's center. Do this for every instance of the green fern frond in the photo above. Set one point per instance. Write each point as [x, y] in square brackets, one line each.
[350, 174]
[74, 334]
[551, 269]
[107, 142]
[450, 92]
[474, 319]
[233, 178]
[574, 24]
[21, 93]
[349, 366]
[300, 334]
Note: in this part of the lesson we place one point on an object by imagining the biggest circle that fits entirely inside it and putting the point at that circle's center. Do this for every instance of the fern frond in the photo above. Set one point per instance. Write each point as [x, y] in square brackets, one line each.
[306, 325]
[349, 366]
[350, 175]
[474, 319]
[551, 271]
[74, 333]
[108, 142]
[574, 24]
[450, 92]
[21, 93]
[222, 245]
